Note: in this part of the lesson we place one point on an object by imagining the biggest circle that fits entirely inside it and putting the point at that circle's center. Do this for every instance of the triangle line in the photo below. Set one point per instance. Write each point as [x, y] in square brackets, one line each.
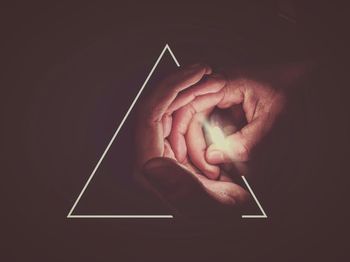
[70, 215]
[263, 215]
[112, 140]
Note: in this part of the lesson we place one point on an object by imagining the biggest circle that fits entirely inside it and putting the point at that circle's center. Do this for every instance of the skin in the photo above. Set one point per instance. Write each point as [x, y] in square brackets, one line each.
[262, 95]
[174, 160]
[179, 183]
[261, 105]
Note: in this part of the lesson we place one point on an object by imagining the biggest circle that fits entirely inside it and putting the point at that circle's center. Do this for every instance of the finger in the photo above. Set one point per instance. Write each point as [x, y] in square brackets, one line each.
[150, 130]
[185, 193]
[232, 95]
[167, 122]
[238, 145]
[167, 90]
[212, 84]
[182, 119]
[196, 147]
[168, 152]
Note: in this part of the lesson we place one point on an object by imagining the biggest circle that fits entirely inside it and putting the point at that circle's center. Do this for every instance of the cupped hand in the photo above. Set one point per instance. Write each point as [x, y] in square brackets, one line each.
[261, 101]
[161, 167]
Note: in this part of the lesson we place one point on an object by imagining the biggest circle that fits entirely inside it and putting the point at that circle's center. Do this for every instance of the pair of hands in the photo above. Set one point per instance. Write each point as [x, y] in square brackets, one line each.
[174, 160]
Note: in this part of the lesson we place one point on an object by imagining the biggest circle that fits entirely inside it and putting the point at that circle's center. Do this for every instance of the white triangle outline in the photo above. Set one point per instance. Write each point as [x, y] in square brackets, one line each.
[70, 214]
[263, 214]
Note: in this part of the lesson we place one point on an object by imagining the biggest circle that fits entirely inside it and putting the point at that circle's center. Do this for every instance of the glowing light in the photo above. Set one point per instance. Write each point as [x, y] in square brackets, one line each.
[216, 135]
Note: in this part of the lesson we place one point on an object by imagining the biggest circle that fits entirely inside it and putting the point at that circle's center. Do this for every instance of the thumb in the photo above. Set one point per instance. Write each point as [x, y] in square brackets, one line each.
[234, 148]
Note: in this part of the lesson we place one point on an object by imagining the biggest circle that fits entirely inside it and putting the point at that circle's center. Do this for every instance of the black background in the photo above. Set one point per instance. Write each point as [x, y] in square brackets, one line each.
[70, 72]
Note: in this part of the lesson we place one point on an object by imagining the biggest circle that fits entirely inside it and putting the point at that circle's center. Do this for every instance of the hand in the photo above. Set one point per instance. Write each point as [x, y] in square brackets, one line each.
[179, 183]
[262, 95]
[154, 119]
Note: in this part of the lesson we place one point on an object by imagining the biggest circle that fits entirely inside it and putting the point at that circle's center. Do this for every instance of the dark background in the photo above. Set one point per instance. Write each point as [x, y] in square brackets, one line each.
[70, 72]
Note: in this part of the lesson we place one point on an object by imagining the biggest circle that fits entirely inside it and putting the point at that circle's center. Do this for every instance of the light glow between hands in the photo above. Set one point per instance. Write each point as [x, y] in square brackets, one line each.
[216, 135]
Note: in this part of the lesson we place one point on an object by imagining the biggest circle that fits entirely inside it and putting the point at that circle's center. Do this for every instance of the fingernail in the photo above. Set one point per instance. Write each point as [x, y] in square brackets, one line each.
[216, 156]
